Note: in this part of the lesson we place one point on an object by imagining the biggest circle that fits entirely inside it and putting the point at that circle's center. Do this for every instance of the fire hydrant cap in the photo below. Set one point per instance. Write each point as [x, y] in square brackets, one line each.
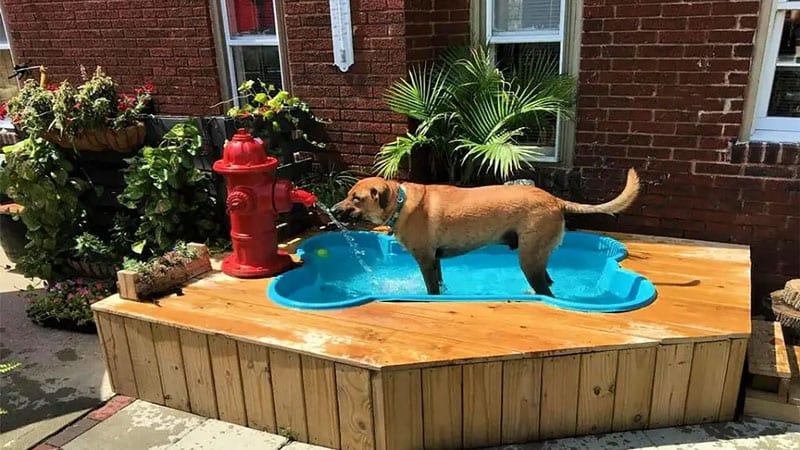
[244, 154]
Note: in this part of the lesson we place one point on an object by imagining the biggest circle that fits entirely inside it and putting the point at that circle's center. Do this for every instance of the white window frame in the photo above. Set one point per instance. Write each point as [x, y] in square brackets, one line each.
[532, 37]
[265, 40]
[766, 128]
[5, 46]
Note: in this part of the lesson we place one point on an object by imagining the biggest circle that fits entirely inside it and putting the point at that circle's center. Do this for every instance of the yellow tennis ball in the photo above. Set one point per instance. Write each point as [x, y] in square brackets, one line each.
[322, 253]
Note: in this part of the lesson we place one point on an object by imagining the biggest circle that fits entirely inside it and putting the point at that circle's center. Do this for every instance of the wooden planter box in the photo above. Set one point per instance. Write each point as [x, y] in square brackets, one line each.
[132, 287]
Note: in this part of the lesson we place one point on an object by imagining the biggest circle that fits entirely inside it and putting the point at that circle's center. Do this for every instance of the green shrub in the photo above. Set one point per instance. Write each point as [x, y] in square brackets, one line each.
[67, 302]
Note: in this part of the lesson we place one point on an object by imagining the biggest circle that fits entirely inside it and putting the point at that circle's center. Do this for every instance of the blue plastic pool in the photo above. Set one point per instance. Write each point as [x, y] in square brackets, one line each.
[348, 269]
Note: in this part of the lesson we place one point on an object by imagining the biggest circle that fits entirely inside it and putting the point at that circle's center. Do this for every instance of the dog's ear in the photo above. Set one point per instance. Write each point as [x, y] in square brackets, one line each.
[382, 196]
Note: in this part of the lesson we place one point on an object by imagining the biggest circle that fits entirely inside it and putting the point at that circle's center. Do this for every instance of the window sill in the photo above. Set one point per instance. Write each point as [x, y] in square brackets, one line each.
[786, 137]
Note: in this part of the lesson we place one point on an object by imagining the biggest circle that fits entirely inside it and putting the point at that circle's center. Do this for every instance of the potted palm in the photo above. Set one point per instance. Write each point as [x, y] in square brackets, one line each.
[469, 115]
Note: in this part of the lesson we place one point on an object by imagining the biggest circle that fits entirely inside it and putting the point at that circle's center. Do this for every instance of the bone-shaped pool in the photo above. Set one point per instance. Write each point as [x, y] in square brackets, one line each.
[345, 269]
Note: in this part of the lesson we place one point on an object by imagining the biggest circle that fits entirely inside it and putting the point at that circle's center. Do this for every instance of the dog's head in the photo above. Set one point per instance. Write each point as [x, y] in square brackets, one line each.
[368, 200]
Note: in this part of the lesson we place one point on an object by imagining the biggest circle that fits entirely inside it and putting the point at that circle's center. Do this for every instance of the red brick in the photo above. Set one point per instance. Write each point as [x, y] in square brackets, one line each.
[671, 23]
[686, 9]
[618, 24]
[659, 51]
[635, 37]
[717, 168]
[111, 407]
[638, 11]
[730, 36]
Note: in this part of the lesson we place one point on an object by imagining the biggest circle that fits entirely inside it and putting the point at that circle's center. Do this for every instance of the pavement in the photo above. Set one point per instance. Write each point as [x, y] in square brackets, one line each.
[125, 424]
[61, 375]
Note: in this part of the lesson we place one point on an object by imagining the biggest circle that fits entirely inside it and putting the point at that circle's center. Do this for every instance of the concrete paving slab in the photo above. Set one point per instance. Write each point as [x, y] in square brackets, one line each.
[61, 377]
[302, 446]
[618, 441]
[218, 435]
[749, 433]
[138, 426]
[71, 432]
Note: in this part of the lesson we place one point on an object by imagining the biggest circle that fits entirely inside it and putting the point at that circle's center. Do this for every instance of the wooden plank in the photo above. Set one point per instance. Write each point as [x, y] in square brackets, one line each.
[596, 393]
[354, 396]
[560, 384]
[634, 388]
[709, 362]
[733, 379]
[145, 363]
[257, 385]
[767, 354]
[522, 388]
[442, 407]
[118, 356]
[227, 379]
[398, 412]
[767, 405]
[199, 377]
[483, 404]
[287, 393]
[322, 415]
[670, 385]
[170, 366]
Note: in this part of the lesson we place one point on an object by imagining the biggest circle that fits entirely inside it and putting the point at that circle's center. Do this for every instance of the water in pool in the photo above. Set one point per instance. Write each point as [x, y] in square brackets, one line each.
[348, 269]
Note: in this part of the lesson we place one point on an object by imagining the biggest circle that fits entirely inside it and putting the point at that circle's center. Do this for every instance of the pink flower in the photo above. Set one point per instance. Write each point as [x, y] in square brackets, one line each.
[148, 87]
[98, 285]
[70, 296]
[79, 280]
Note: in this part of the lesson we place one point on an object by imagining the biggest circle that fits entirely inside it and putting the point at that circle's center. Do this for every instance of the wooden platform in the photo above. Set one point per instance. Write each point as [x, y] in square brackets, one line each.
[437, 376]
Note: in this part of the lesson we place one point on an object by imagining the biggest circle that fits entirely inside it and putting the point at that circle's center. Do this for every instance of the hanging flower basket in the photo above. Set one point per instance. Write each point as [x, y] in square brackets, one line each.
[123, 140]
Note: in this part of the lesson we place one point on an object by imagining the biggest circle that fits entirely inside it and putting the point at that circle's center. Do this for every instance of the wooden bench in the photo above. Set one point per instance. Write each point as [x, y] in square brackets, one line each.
[773, 387]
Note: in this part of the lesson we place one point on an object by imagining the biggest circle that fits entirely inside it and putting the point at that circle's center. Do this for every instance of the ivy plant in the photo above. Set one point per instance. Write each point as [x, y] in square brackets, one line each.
[174, 200]
[39, 176]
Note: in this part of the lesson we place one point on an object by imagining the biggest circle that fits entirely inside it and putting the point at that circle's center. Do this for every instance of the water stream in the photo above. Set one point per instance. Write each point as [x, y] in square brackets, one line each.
[359, 253]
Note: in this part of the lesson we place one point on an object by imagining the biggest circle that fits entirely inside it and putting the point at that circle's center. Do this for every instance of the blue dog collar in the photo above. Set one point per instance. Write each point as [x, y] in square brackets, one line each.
[401, 200]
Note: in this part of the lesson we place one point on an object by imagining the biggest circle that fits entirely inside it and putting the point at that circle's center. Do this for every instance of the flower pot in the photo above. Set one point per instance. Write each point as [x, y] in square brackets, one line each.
[123, 140]
[126, 139]
[102, 271]
[12, 237]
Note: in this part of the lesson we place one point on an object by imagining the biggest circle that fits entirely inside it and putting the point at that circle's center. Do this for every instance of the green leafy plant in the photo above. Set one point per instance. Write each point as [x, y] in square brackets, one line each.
[470, 114]
[70, 110]
[90, 247]
[40, 177]
[329, 187]
[67, 303]
[274, 114]
[153, 274]
[174, 199]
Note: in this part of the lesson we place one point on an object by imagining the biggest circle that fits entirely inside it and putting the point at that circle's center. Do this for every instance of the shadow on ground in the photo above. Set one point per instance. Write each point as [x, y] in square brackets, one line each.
[61, 373]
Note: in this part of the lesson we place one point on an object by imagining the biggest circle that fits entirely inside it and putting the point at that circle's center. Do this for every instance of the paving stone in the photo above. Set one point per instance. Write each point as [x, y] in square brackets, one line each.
[44, 447]
[71, 432]
[617, 441]
[140, 425]
[303, 446]
[111, 407]
[218, 435]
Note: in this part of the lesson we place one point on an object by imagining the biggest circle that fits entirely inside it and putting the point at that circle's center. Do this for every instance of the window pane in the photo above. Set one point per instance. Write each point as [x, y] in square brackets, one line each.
[527, 15]
[257, 63]
[3, 37]
[514, 57]
[251, 17]
[784, 100]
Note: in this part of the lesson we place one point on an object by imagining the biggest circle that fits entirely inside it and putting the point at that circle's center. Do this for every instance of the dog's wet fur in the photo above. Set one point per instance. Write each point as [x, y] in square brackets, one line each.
[439, 221]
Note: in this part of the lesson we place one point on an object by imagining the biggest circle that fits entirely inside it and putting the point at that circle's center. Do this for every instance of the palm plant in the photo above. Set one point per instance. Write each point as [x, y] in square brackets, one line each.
[470, 114]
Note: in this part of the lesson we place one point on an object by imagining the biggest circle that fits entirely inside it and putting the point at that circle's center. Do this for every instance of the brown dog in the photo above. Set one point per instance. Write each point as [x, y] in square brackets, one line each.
[438, 221]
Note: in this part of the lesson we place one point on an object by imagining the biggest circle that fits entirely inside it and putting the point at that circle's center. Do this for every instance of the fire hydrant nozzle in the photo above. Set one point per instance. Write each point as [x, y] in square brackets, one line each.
[255, 198]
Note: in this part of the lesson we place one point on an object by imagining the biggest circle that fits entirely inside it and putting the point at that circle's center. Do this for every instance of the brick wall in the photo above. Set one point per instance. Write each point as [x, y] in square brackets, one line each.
[352, 100]
[168, 42]
[661, 89]
[433, 25]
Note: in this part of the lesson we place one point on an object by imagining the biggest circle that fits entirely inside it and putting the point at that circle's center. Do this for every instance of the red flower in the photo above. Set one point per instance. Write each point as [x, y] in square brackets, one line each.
[148, 87]
[52, 87]
[77, 105]
[17, 119]
[138, 91]
[3, 111]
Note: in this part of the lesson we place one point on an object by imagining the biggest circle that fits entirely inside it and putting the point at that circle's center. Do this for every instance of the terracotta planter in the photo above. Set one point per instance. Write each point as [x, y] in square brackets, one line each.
[124, 140]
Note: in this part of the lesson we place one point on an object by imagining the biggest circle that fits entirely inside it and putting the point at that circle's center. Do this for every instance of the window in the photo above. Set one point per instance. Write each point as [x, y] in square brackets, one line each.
[251, 42]
[515, 28]
[8, 87]
[777, 107]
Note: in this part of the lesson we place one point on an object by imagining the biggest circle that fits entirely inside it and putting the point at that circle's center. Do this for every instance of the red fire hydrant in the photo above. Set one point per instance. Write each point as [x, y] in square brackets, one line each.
[255, 198]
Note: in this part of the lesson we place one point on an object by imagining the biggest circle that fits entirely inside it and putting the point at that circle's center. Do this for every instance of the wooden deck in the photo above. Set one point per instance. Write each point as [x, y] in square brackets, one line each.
[456, 375]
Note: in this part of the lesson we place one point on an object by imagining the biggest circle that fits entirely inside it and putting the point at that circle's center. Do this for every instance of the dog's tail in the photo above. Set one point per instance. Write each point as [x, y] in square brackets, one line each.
[614, 206]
